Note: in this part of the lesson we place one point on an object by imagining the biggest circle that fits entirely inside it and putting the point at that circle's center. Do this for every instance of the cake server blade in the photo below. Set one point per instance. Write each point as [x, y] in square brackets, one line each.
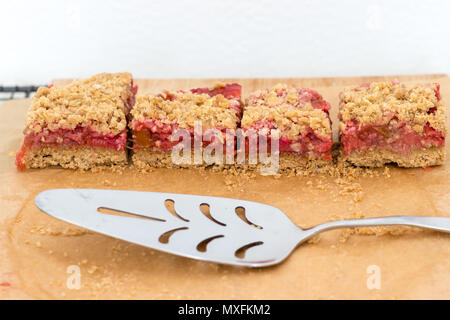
[216, 229]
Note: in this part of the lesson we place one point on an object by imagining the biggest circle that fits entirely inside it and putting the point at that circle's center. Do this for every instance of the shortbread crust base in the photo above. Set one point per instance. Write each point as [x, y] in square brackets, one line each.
[378, 157]
[75, 157]
[291, 163]
[146, 159]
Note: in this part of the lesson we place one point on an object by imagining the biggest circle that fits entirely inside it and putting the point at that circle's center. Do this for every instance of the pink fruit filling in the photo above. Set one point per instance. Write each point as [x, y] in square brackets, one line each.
[307, 143]
[229, 91]
[313, 97]
[80, 136]
[158, 135]
[395, 136]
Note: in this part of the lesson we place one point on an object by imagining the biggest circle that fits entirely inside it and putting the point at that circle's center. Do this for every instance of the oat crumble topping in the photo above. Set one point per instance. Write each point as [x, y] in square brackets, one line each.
[185, 108]
[98, 102]
[375, 103]
[284, 107]
[218, 85]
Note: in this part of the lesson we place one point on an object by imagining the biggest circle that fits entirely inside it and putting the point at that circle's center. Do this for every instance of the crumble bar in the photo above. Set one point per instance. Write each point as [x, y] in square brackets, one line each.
[301, 122]
[155, 118]
[81, 125]
[388, 122]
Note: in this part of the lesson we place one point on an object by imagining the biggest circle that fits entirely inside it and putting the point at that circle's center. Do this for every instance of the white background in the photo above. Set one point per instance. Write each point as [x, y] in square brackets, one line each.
[46, 39]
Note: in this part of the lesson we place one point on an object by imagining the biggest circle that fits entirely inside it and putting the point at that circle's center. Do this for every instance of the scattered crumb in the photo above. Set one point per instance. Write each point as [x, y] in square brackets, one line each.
[387, 172]
[92, 269]
[370, 231]
[67, 232]
[108, 183]
[315, 239]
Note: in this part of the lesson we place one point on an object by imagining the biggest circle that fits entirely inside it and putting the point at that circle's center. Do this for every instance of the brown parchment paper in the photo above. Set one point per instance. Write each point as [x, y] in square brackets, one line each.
[36, 250]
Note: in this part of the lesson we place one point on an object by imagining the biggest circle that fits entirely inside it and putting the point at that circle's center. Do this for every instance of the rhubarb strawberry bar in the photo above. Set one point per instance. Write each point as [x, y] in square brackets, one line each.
[388, 122]
[295, 118]
[200, 122]
[81, 125]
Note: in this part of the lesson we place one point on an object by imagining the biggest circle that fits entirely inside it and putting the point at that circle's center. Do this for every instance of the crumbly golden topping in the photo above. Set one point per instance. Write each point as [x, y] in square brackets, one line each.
[377, 102]
[286, 112]
[98, 102]
[184, 108]
[218, 85]
[280, 94]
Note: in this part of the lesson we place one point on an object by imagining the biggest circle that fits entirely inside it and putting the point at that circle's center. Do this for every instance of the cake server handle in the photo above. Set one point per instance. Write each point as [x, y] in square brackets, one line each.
[433, 223]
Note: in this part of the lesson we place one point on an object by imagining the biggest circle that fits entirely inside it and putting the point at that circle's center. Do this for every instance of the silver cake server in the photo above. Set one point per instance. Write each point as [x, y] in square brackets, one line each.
[222, 230]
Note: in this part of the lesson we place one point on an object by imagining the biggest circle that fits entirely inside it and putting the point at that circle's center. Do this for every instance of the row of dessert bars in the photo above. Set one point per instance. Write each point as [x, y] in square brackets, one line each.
[96, 121]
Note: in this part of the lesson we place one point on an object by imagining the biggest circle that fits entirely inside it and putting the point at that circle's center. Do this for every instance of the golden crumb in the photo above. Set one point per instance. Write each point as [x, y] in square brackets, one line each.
[108, 183]
[218, 85]
[68, 232]
[387, 172]
[346, 233]
[92, 269]
[314, 240]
